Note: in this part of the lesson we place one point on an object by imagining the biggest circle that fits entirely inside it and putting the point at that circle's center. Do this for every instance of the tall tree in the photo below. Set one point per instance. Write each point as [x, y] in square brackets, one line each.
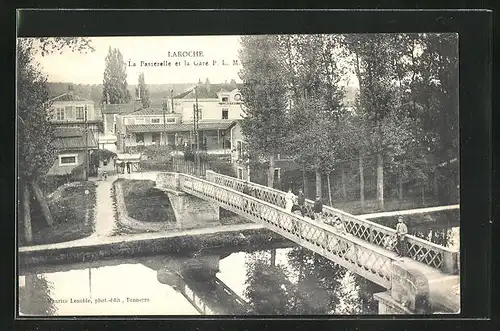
[115, 89]
[36, 153]
[372, 54]
[264, 97]
[314, 75]
[142, 92]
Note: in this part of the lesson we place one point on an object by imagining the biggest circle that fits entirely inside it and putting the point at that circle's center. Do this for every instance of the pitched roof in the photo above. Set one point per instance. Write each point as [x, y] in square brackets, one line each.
[180, 127]
[202, 91]
[69, 96]
[149, 111]
[122, 108]
[73, 138]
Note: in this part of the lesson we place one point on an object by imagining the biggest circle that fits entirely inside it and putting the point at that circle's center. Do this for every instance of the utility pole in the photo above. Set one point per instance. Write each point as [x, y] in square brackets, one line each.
[172, 99]
[86, 146]
[197, 129]
[164, 106]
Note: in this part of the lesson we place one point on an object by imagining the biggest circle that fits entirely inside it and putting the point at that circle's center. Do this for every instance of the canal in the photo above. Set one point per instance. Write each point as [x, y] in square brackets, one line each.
[216, 281]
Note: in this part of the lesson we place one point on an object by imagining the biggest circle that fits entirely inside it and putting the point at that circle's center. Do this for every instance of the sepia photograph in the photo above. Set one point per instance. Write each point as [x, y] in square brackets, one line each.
[250, 175]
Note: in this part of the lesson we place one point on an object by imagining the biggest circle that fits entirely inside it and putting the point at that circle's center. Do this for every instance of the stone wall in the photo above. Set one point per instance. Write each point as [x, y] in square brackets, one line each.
[191, 211]
[410, 288]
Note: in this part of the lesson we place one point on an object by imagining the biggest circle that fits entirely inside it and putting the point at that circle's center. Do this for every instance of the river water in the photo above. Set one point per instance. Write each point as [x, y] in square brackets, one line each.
[263, 281]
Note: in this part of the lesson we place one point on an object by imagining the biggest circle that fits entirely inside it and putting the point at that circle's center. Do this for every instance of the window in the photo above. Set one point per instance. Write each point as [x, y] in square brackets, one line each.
[139, 137]
[240, 173]
[277, 173]
[155, 120]
[68, 159]
[155, 137]
[225, 113]
[225, 99]
[80, 113]
[170, 119]
[60, 114]
[130, 121]
[140, 120]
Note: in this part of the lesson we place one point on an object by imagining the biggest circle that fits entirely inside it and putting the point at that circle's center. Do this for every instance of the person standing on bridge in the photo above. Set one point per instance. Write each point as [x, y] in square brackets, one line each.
[318, 209]
[401, 232]
[301, 200]
[289, 199]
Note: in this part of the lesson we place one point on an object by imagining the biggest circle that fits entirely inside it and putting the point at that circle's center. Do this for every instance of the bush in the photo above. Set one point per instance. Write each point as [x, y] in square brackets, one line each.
[156, 165]
[49, 184]
[222, 167]
[157, 152]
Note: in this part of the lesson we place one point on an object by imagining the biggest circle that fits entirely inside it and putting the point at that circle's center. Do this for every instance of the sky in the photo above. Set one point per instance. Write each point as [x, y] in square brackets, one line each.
[77, 68]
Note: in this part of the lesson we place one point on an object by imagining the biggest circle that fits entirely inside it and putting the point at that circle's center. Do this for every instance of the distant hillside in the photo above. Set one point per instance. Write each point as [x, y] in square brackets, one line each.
[159, 91]
[94, 92]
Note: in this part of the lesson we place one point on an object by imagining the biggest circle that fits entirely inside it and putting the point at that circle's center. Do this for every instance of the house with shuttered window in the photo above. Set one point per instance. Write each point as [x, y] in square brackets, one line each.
[71, 110]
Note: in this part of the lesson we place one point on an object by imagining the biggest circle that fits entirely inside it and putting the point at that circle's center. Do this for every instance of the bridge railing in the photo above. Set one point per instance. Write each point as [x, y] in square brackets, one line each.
[434, 255]
[367, 260]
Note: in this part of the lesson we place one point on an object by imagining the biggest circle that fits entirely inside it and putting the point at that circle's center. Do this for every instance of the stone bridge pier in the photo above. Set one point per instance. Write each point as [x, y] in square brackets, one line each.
[413, 292]
[190, 211]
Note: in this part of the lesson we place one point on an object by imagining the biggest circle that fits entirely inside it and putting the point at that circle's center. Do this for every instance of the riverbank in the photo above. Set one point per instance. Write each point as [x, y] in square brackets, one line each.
[91, 249]
[72, 206]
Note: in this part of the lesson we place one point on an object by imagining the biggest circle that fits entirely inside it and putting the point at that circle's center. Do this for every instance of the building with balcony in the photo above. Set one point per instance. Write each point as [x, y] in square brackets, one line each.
[173, 123]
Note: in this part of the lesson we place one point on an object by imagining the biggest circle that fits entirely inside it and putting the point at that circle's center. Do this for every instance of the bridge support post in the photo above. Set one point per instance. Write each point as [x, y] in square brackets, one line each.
[409, 293]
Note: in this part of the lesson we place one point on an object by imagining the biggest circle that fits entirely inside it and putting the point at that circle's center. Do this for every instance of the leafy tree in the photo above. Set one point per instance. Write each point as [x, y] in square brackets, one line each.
[264, 97]
[373, 55]
[115, 88]
[314, 75]
[36, 153]
[142, 92]
[34, 297]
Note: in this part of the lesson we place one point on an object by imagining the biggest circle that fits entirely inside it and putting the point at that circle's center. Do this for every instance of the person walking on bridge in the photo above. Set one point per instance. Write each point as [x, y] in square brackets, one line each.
[401, 231]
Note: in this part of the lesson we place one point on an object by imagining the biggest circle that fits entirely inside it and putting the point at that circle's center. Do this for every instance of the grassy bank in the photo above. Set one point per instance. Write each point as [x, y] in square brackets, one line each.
[146, 203]
[73, 213]
[170, 245]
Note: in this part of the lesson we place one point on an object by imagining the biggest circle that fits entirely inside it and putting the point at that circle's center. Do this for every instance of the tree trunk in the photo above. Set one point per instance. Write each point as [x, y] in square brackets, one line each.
[400, 185]
[380, 181]
[318, 183]
[361, 182]
[435, 184]
[26, 214]
[423, 195]
[270, 174]
[329, 190]
[273, 257]
[306, 186]
[344, 182]
[43, 203]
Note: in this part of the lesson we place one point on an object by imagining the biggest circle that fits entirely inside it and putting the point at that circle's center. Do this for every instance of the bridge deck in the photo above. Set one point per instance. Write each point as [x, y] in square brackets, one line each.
[420, 250]
[361, 250]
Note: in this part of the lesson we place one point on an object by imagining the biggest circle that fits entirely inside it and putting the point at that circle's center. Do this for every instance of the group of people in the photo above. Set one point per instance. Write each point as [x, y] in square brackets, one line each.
[296, 205]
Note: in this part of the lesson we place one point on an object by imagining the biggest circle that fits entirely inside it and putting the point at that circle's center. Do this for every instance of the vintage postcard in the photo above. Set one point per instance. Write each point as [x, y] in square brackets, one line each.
[238, 175]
